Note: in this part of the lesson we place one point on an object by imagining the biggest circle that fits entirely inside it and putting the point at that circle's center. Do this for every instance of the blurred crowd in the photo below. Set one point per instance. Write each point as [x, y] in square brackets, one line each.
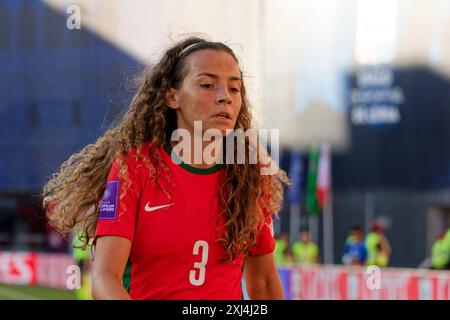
[371, 249]
[302, 252]
[359, 249]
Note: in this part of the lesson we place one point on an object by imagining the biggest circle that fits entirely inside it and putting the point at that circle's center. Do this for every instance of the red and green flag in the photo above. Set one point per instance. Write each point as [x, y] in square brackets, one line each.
[324, 175]
[312, 204]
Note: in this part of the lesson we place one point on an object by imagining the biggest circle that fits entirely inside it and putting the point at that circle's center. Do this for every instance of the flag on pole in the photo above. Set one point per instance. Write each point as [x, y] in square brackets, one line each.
[324, 175]
[311, 192]
[296, 175]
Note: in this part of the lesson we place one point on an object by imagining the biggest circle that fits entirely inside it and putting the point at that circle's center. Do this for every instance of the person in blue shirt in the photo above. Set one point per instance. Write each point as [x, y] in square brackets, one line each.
[355, 252]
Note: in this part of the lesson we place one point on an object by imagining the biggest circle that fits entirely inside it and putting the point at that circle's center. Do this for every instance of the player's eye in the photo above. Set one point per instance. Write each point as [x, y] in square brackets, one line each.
[207, 85]
[235, 89]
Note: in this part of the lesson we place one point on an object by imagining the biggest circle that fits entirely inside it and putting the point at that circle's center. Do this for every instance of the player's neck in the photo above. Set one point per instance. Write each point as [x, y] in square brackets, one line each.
[199, 161]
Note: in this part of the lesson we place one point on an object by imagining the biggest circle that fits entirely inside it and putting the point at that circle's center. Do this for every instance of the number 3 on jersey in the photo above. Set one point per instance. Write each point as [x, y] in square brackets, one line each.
[200, 266]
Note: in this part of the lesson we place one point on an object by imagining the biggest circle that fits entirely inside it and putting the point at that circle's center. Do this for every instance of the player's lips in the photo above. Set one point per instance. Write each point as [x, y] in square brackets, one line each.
[222, 116]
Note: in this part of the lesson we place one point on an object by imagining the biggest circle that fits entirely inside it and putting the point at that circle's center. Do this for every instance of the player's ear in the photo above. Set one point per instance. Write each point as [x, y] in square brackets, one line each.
[171, 98]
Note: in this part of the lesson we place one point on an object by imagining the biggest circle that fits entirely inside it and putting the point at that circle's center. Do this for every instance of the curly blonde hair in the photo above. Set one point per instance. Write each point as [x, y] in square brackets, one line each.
[73, 195]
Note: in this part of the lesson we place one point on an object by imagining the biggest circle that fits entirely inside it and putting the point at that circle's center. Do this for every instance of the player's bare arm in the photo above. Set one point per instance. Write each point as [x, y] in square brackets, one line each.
[111, 256]
[261, 278]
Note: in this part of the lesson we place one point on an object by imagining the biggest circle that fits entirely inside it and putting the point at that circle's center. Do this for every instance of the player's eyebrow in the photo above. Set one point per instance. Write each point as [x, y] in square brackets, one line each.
[215, 76]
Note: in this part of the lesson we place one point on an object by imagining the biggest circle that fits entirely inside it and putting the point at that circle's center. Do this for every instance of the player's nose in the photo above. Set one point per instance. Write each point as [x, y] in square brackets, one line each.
[223, 96]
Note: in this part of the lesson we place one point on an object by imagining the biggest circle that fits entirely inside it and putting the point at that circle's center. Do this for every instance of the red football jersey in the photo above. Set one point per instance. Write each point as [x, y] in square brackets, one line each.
[175, 253]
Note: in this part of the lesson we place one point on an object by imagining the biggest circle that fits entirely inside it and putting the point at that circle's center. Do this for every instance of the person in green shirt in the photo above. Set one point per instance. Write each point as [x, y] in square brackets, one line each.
[81, 256]
[281, 246]
[305, 251]
[378, 247]
[440, 252]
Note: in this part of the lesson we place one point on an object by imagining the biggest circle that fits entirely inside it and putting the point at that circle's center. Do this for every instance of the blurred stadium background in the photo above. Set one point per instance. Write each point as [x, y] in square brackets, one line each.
[367, 80]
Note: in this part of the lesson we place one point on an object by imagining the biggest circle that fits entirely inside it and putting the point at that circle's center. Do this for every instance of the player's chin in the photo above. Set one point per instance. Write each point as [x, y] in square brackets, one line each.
[224, 128]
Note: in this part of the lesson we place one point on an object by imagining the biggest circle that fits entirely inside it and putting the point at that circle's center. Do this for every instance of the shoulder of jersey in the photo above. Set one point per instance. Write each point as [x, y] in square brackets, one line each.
[147, 149]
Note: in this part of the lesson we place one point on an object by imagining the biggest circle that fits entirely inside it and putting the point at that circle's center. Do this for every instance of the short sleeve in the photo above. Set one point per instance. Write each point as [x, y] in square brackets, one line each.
[265, 241]
[119, 206]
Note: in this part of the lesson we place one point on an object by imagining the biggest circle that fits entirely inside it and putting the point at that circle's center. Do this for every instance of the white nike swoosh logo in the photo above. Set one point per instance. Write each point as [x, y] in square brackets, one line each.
[150, 209]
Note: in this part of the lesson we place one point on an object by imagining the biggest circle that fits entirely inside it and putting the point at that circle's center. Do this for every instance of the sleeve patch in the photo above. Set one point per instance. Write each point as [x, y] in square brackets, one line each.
[108, 207]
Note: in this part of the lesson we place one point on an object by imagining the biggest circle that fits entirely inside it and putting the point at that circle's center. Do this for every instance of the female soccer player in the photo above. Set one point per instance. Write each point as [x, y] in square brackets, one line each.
[165, 228]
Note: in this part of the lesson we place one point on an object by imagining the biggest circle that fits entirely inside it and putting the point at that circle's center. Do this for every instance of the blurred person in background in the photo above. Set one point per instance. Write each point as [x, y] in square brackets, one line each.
[281, 246]
[180, 231]
[305, 251]
[440, 252]
[355, 252]
[81, 255]
[378, 247]
[288, 257]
